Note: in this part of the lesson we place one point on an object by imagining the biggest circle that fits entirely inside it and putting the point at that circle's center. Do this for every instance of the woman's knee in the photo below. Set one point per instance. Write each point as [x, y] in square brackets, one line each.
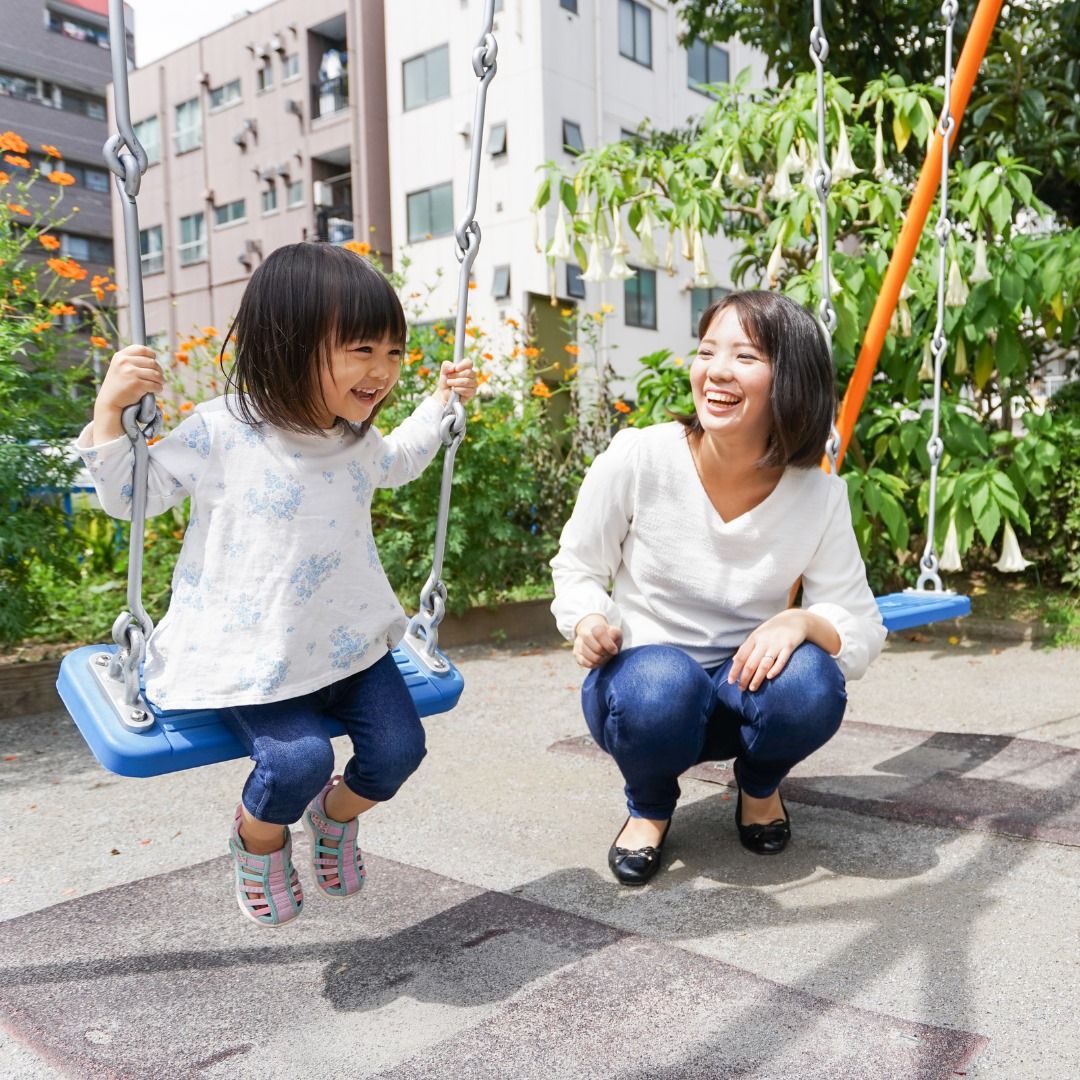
[806, 703]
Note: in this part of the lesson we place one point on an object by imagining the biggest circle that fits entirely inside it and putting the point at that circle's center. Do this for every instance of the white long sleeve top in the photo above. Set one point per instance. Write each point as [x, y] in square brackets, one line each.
[678, 574]
[278, 589]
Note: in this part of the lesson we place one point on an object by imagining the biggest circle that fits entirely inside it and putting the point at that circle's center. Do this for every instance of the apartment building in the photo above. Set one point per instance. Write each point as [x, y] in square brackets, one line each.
[572, 74]
[54, 69]
[268, 131]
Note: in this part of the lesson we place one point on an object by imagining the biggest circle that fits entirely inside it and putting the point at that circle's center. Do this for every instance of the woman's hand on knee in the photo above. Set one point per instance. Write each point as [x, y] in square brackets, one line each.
[596, 641]
[765, 653]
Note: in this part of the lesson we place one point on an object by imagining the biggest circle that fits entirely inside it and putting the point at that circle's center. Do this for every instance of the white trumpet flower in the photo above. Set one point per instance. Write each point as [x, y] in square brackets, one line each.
[879, 151]
[981, 271]
[560, 244]
[960, 364]
[619, 244]
[843, 164]
[539, 232]
[905, 318]
[775, 265]
[1012, 559]
[793, 162]
[781, 190]
[950, 553]
[737, 175]
[703, 278]
[669, 254]
[645, 231]
[926, 369]
[595, 270]
[956, 292]
[620, 271]
[687, 251]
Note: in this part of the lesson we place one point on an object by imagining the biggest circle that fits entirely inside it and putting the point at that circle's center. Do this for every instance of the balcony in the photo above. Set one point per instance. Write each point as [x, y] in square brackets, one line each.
[329, 97]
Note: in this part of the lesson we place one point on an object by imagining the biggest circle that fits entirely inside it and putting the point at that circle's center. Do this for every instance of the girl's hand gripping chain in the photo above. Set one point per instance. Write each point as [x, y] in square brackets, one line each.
[460, 379]
[133, 372]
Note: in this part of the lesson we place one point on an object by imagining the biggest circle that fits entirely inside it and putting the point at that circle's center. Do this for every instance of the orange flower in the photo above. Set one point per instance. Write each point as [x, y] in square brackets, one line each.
[472, 284]
[423, 372]
[440, 330]
[40, 328]
[186, 407]
[515, 352]
[98, 280]
[10, 141]
[482, 377]
[18, 286]
[621, 406]
[512, 322]
[181, 357]
[67, 268]
[531, 352]
[100, 294]
[14, 159]
[4, 178]
[209, 331]
[16, 208]
[358, 247]
[49, 243]
[99, 342]
[415, 355]
[155, 439]
[573, 350]
[51, 150]
[61, 179]
[60, 308]
[541, 390]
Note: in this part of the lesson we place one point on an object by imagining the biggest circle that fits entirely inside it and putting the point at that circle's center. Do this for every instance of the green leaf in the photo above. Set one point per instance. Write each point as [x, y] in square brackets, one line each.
[1000, 208]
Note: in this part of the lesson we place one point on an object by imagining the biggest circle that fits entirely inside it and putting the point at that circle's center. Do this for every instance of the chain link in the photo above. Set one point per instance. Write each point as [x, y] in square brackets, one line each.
[425, 624]
[822, 183]
[938, 343]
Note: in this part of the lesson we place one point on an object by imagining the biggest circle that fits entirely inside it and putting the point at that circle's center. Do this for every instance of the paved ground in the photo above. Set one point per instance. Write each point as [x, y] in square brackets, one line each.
[922, 924]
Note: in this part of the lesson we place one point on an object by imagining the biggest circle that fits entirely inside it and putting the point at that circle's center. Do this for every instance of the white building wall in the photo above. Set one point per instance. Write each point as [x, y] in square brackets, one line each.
[553, 65]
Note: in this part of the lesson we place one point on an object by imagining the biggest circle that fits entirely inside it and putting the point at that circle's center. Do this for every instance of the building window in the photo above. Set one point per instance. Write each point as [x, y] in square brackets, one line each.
[430, 212]
[700, 299]
[639, 299]
[705, 63]
[148, 132]
[294, 193]
[290, 67]
[85, 175]
[230, 213]
[264, 77]
[573, 143]
[500, 286]
[221, 96]
[635, 32]
[497, 140]
[269, 198]
[569, 5]
[91, 249]
[188, 134]
[192, 247]
[42, 92]
[151, 250]
[575, 285]
[77, 29]
[427, 77]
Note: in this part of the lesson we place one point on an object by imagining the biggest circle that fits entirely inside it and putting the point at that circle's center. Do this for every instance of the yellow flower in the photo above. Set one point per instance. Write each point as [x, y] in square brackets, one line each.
[60, 308]
[209, 331]
[607, 309]
[566, 311]
[678, 361]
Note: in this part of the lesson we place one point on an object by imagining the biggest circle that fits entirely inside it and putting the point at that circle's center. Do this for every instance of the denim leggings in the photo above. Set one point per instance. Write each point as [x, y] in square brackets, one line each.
[294, 758]
[657, 712]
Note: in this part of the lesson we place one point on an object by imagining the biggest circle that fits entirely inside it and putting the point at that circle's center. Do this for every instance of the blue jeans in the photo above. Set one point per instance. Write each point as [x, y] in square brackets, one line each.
[293, 755]
[657, 712]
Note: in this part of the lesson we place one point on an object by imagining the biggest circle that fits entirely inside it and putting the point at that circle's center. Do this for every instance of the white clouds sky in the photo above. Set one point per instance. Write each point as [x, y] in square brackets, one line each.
[164, 25]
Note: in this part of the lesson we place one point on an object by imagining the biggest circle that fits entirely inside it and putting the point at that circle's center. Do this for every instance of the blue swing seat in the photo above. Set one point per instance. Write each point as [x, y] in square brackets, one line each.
[186, 739]
[903, 610]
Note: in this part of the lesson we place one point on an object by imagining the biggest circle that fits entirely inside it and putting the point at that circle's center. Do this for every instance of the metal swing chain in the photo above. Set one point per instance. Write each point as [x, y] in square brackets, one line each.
[822, 179]
[424, 626]
[938, 343]
[127, 159]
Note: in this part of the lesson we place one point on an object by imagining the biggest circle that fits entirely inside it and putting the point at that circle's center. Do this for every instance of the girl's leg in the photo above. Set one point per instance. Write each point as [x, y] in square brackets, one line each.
[648, 708]
[770, 731]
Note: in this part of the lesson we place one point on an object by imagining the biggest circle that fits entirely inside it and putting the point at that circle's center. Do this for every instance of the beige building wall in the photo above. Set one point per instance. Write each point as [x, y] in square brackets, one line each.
[301, 136]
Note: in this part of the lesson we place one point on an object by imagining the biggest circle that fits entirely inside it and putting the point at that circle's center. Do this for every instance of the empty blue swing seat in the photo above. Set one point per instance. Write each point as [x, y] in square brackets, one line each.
[903, 610]
[184, 740]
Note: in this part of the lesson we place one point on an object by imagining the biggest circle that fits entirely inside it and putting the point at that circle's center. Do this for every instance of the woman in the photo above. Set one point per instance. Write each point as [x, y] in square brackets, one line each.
[703, 525]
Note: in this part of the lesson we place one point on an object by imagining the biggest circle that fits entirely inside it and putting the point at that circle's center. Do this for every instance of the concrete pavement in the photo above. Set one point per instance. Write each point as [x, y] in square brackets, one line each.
[922, 924]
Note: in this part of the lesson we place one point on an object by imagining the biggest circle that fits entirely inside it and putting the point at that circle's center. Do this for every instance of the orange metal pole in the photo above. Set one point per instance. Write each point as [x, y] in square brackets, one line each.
[982, 26]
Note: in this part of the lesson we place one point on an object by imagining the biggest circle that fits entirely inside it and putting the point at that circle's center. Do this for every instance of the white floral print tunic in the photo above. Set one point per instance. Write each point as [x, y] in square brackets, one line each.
[278, 590]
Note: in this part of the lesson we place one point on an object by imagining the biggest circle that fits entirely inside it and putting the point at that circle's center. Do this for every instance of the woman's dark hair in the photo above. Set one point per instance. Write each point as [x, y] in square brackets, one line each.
[304, 301]
[803, 393]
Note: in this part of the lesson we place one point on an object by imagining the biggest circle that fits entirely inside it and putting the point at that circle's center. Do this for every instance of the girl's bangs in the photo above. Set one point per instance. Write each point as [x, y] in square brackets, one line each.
[367, 307]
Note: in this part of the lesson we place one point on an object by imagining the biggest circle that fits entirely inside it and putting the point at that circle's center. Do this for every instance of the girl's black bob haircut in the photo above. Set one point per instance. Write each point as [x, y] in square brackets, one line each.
[803, 390]
[303, 302]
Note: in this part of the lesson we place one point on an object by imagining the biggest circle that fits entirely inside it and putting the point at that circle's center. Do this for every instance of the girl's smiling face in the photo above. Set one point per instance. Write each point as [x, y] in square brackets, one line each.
[731, 381]
[359, 376]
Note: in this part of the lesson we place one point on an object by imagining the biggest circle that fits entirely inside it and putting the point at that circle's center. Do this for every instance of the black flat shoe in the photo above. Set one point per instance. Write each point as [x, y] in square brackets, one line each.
[635, 866]
[768, 839]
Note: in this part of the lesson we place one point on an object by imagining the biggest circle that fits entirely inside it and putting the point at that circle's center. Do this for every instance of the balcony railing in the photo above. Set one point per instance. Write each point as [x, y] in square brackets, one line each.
[330, 97]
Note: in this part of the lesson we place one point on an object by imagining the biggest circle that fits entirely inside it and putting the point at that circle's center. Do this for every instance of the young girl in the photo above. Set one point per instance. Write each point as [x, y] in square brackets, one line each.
[281, 613]
[704, 525]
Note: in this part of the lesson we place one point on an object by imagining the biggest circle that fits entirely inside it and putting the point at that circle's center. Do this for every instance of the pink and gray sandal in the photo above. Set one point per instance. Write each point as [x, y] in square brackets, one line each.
[339, 868]
[267, 887]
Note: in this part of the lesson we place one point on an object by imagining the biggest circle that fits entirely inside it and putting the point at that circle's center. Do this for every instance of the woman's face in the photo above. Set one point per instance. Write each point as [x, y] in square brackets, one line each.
[361, 374]
[731, 380]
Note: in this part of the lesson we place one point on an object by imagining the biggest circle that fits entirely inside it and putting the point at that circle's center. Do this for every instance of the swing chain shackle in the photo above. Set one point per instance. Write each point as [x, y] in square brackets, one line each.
[424, 626]
[929, 578]
[822, 182]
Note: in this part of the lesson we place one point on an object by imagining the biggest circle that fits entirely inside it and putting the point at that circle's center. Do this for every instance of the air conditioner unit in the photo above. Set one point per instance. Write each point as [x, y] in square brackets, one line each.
[292, 105]
[240, 140]
[253, 247]
[204, 78]
[464, 128]
[282, 169]
[277, 44]
[251, 125]
[261, 52]
[322, 194]
[208, 195]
